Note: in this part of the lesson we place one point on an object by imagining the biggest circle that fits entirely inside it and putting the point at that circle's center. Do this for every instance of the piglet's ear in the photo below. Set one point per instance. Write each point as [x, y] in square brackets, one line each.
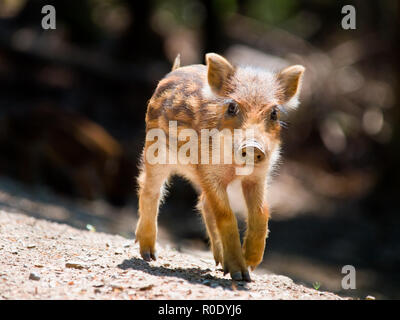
[219, 71]
[290, 80]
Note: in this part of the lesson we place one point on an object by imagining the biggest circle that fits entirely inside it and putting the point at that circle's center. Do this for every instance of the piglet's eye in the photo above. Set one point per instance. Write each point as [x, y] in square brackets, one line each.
[233, 108]
[274, 114]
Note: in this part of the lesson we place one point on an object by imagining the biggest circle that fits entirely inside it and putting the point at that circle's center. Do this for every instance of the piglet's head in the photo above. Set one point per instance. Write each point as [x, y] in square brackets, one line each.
[252, 100]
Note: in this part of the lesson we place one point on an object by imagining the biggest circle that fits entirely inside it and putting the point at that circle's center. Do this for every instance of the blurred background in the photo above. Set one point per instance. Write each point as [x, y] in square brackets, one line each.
[73, 102]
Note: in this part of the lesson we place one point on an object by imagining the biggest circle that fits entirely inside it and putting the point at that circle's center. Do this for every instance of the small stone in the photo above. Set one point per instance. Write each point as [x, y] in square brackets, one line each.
[98, 285]
[370, 298]
[76, 265]
[31, 246]
[117, 287]
[118, 251]
[34, 276]
[149, 287]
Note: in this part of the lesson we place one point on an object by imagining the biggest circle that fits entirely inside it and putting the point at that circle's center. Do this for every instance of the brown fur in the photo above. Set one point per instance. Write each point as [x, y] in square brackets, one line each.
[198, 97]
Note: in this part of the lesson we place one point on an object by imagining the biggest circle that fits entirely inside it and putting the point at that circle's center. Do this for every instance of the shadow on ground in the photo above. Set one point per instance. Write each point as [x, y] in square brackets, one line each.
[192, 275]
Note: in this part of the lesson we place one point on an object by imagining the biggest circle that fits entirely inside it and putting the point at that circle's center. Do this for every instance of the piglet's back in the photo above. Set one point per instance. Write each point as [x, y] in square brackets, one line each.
[178, 97]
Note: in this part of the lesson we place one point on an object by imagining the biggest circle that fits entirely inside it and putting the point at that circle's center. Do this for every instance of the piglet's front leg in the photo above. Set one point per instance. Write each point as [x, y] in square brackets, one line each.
[233, 260]
[257, 228]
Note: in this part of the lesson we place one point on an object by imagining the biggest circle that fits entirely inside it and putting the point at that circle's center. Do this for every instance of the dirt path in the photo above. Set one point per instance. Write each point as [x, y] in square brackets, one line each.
[45, 260]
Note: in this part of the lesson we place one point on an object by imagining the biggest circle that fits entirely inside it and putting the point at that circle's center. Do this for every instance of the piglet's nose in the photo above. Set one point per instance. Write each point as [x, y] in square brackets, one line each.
[252, 149]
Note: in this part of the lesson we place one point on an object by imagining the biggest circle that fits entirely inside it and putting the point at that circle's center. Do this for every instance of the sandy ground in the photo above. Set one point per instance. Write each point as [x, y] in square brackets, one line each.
[46, 260]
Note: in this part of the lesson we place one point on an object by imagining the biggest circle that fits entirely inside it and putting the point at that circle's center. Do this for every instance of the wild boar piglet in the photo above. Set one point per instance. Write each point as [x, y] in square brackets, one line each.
[219, 126]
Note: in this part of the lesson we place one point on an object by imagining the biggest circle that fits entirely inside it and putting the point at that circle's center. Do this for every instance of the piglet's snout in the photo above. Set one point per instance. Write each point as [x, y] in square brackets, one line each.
[252, 150]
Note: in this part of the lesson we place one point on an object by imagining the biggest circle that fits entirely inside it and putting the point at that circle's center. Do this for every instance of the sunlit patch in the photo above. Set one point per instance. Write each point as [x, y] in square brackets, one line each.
[333, 136]
[372, 121]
